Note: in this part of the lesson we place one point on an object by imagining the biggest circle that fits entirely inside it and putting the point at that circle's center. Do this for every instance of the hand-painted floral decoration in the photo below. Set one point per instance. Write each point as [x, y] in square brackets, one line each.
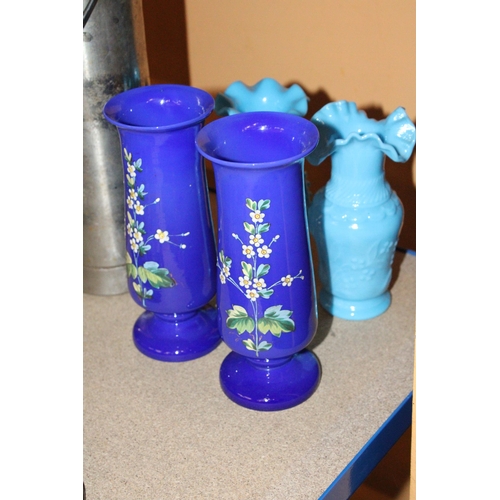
[255, 285]
[149, 273]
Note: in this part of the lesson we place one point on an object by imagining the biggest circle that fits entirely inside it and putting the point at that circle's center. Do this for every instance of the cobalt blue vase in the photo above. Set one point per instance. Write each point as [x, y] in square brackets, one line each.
[266, 95]
[266, 292]
[171, 256]
[356, 218]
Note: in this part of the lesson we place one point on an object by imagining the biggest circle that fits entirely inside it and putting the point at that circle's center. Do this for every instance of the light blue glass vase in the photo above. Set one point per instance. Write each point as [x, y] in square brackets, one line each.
[266, 95]
[356, 218]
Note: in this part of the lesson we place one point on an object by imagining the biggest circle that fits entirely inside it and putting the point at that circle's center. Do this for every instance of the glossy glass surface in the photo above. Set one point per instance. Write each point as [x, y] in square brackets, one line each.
[265, 95]
[266, 292]
[356, 218]
[170, 242]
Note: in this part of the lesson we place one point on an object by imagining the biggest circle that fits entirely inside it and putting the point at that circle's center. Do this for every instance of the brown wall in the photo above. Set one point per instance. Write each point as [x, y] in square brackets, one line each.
[357, 50]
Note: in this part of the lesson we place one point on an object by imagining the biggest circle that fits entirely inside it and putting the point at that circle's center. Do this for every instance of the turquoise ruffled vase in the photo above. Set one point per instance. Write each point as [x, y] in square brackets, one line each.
[356, 218]
[265, 95]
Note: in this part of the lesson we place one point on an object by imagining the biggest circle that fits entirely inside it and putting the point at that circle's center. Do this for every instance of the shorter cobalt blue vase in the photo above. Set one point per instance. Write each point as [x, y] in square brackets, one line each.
[265, 95]
[171, 256]
[356, 218]
[266, 292]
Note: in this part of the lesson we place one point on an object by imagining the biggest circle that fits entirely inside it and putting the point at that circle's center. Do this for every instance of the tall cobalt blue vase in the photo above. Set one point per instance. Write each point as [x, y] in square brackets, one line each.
[171, 256]
[356, 218]
[266, 293]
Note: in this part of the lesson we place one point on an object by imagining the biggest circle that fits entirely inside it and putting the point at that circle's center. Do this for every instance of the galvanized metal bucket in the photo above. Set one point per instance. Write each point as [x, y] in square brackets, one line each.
[114, 60]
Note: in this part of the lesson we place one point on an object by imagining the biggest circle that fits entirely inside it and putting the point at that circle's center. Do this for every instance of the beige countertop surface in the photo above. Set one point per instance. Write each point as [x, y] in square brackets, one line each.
[158, 431]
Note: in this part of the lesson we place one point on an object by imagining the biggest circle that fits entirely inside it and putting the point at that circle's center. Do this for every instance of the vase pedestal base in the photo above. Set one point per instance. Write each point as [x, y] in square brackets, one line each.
[355, 309]
[270, 385]
[177, 337]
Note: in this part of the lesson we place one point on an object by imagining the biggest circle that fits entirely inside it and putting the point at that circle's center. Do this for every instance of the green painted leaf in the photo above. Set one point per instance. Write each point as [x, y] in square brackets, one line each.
[251, 204]
[130, 219]
[145, 294]
[138, 164]
[247, 269]
[239, 320]
[137, 288]
[131, 269]
[276, 321]
[161, 278]
[142, 274]
[262, 270]
[130, 181]
[263, 228]
[263, 204]
[227, 261]
[249, 228]
[250, 345]
[140, 192]
[144, 248]
[157, 277]
[265, 346]
[265, 294]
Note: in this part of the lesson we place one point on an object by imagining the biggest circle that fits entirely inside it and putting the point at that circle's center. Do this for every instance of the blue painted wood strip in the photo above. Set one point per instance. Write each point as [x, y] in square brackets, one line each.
[406, 250]
[358, 469]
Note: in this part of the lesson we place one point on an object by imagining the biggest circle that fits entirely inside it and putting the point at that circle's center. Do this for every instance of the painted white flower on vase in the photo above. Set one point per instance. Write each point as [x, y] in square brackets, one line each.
[264, 251]
[252, 295]
[259, 283]
[244, 281]
[257, 216]
[248, 251]
[139, 209]
[161, 236]
[256, 240]
[134, 246]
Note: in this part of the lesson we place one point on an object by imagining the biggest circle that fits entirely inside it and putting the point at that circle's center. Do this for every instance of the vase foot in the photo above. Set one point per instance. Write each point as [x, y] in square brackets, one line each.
[273, 386]
[177, 337]
[355, 309]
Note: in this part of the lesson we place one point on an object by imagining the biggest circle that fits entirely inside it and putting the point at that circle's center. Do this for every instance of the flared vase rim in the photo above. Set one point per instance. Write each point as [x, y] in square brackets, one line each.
[200, 117]
[309, 127]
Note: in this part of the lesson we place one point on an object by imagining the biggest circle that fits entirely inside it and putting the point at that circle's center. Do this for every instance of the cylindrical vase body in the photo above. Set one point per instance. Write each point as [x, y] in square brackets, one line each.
[170, 246]
[356, 220]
